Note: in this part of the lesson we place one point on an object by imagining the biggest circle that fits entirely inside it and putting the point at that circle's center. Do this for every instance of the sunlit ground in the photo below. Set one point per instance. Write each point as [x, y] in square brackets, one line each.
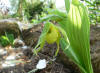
[11, 56]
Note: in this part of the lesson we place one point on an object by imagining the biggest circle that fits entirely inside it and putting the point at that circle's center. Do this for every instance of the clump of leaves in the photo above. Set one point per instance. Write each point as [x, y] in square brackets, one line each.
[94, 11]
[31, 11]
[75, 28]
[7, 39]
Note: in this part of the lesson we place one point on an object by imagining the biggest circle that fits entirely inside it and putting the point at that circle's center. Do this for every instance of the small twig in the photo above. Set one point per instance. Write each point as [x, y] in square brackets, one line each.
[33, 71]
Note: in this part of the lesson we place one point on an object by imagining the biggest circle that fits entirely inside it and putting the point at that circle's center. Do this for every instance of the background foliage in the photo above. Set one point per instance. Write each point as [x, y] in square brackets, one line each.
[94, 11]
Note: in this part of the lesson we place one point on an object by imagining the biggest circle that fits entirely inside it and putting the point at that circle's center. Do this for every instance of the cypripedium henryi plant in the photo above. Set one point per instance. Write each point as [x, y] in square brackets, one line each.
[50, 34]
[75, 28]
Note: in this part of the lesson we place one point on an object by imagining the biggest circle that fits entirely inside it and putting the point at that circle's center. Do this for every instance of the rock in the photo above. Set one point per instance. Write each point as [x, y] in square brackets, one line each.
[30, 36]
[18, 43]
[28, 52]
[10, 26]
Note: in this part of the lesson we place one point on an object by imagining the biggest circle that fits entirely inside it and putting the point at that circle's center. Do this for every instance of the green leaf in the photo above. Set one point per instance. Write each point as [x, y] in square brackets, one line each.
[4, 41]
[76, 2]
[57, 12]
[77, 28]
[55, 15]
[11, 38]
[7, 39]
[67, 5]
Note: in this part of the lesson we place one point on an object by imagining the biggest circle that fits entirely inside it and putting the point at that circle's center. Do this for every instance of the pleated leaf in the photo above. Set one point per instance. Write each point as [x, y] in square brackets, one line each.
[77, 29]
